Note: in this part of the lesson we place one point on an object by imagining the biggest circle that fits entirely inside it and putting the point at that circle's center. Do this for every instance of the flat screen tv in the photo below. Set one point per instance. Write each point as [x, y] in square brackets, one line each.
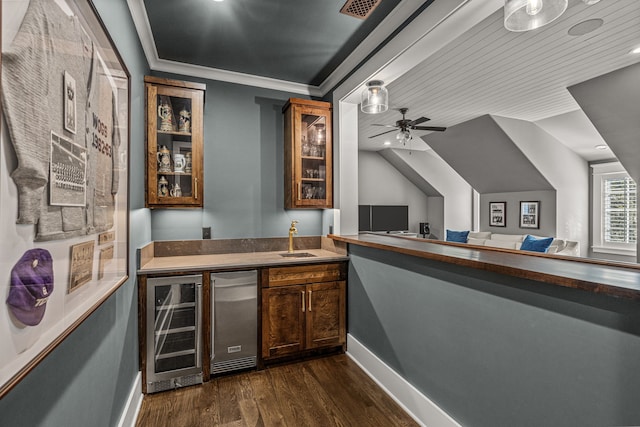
[383, 218]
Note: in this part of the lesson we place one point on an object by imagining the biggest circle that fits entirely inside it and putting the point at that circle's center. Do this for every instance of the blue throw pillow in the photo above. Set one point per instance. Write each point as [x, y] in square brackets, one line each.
[530, 243]
[457, 236]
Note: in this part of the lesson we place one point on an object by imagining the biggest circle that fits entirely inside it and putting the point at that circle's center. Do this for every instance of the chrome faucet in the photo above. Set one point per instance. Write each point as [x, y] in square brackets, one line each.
[292, 230]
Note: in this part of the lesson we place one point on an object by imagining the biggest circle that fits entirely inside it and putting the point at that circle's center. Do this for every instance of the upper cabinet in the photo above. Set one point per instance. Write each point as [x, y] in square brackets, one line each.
[174, 133]
[307, 154]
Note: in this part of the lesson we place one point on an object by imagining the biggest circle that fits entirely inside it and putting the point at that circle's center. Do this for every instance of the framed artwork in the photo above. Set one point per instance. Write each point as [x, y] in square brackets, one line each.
[530, 214]
[498, 214]
[65, 201]
[69, 102]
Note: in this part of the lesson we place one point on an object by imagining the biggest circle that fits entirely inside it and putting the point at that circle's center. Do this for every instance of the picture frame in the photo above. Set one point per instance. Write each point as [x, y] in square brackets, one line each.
[69, 102]
[497, 214]
[83, 262]
[530, 214]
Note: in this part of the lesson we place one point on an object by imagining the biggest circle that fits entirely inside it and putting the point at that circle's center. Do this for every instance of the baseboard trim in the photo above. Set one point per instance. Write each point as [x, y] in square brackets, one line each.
[134, 402]
[416, 404]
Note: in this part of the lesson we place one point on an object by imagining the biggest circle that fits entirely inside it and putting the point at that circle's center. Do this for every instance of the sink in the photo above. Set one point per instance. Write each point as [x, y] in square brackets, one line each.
[298, 255]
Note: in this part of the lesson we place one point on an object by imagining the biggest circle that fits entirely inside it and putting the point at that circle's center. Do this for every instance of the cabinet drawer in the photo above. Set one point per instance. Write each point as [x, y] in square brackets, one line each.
[301, 274]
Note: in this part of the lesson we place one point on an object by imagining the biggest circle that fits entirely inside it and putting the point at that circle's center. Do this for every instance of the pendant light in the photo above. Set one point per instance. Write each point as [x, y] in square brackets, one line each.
[525, 15]
[375, 98]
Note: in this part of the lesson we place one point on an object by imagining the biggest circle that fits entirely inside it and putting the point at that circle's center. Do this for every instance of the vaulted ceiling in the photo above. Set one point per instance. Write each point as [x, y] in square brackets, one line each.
[489, 70]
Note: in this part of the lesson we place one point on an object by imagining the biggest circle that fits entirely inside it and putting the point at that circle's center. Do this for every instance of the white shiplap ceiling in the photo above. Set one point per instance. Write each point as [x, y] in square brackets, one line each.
[489, 70]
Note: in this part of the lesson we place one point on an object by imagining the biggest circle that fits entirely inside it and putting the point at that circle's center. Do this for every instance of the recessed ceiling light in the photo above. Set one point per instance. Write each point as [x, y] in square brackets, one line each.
[585, 27]
[387, 143]
[635, 51]
[590, 2]
[218, 0]
[601, 147]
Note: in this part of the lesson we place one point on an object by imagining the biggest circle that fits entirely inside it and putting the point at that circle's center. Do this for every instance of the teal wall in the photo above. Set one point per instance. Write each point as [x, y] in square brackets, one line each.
[493, 350]
[243, 169]
[86, 380]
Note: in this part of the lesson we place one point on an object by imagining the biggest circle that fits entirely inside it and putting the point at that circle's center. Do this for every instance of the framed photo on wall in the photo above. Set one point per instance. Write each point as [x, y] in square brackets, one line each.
[65, 203]
[530, 214]
[498, 214]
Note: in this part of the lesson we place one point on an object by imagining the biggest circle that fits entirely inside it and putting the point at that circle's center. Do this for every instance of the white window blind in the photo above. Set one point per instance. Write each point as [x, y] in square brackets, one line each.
[615, 210]
[620, 211]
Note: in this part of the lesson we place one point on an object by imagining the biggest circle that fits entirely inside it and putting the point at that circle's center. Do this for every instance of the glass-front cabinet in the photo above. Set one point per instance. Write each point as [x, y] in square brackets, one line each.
[174, 114]
[308, 154]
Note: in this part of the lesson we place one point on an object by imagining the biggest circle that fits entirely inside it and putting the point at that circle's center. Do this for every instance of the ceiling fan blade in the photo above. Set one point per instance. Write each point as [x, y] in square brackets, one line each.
[393, 130]
[432, 128]
[387, 126]
[418, 121]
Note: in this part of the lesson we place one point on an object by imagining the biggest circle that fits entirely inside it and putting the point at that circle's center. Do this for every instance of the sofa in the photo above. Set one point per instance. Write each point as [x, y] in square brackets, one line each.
[514, 241]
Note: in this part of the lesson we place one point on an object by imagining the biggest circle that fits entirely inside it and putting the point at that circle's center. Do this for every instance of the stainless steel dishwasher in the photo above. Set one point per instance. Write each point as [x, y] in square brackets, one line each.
[234, 313]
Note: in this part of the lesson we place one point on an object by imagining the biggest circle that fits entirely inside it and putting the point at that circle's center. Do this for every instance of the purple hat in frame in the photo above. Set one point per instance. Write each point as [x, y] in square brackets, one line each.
[31, 285]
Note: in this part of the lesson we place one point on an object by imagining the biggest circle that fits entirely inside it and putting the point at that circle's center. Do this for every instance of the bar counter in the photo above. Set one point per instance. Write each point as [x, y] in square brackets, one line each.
[597, 276]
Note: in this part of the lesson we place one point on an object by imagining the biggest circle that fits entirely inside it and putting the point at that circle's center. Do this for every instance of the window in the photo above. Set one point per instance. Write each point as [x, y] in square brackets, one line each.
[615, 211]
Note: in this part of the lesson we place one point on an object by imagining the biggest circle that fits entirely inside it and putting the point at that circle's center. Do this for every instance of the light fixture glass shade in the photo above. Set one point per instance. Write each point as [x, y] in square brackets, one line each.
[375, 98]
[404, 136]
[525, 15]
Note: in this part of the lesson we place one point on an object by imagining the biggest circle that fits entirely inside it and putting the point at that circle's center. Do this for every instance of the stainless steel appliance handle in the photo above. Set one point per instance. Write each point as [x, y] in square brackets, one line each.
[198, 325]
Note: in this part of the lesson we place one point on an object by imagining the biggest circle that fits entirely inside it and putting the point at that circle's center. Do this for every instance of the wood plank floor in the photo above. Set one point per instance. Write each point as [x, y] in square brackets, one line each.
[328, 391]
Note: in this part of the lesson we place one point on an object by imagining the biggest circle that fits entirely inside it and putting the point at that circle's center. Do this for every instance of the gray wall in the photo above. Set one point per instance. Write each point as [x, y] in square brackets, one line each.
[243, 169]
[547, 201]
[87, 378]
[494, 350]
[379, 183]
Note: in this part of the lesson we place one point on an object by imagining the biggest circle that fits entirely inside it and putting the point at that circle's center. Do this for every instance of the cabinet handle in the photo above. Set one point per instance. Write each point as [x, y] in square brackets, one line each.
[299, 191]
[195, 191]
[310, 300]
[302, 301]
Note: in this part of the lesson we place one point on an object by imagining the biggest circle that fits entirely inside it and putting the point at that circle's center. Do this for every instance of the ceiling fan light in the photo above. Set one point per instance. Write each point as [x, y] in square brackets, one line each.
[526, 15]
[375, 98]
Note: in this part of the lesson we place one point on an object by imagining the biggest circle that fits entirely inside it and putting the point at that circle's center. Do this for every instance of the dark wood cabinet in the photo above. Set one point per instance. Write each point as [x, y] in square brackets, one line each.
[308, 154]
[326, 312]
[175, 141]
[303, 308]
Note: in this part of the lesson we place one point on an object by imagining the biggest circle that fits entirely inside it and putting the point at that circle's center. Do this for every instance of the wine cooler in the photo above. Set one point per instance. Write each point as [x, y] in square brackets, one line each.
[174, 339]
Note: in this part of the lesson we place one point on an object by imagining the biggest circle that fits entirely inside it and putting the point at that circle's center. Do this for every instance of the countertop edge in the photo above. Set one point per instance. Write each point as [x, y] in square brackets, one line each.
[516, 269]
[240, 264]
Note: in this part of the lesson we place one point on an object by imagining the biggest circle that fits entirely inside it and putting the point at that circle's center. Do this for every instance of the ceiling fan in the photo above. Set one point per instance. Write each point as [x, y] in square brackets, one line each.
[405, 126]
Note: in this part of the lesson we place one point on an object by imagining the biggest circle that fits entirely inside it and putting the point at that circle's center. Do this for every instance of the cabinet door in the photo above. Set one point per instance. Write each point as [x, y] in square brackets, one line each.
[308, 155]
[326, 324]
[283, 311]
[174, 145]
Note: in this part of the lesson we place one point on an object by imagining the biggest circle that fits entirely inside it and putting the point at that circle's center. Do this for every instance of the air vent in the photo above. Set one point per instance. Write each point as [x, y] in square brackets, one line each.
[360, 9]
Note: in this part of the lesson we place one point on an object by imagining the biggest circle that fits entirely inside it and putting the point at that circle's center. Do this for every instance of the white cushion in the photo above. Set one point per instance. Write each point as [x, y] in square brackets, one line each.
[479, 235]
[479, 242]
[504, 244]
[508, 237]
[556, 246]
[570, 249]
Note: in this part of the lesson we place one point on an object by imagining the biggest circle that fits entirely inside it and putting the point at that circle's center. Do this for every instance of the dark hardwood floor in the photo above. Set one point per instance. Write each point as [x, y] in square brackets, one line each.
[328, 391]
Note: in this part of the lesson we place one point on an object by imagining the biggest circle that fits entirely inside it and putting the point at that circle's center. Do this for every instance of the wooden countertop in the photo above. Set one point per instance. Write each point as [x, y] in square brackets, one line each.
[589, 275]
[235, 260]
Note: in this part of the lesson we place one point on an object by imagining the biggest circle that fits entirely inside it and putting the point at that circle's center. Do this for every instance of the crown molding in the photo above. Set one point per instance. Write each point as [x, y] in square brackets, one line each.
[393, 21]
[234, 77]
[143, 27]
[396, 18]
